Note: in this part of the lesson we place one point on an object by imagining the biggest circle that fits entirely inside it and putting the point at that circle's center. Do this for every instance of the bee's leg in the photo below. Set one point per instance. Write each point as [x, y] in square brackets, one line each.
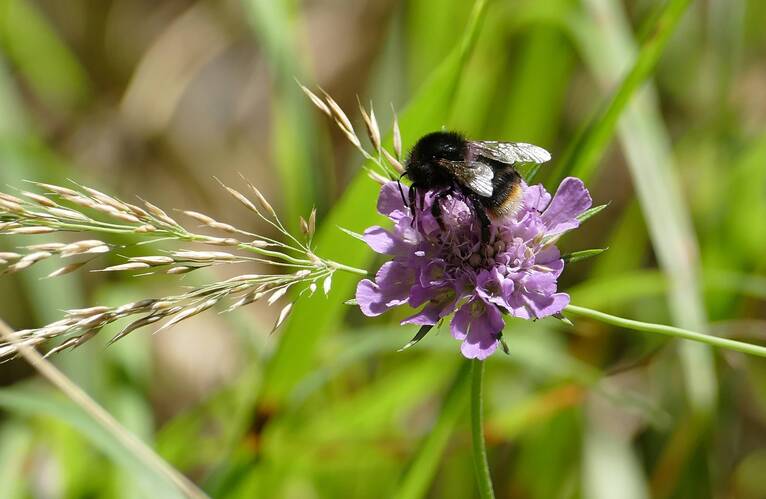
[436, 208]
[401, 192]
[413, 202]
[481, 213]
[412, 194]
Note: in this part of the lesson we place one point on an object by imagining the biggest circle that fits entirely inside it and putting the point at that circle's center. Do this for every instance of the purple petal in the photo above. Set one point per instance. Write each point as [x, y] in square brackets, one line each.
[544, 306]
[485, 325]
[536, 197]
[543, 283]
[420, 295]
[434, 273]
[391, 288]
[427, 223]
[406, 231]
[383, 241]
[494, 287]
[441, 303]
[550, 258]
[429, 316]
[539, 297]
[390, 201]
[571, 199]
[370, 299]
[460, 322]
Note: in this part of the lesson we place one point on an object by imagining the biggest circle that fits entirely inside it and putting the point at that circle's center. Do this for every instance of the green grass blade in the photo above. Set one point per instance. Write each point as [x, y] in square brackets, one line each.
[535, 104]
[583, 155]
[421, 471]
[16, 444]
[608, 449]
[295, 137]
[43, 59]
[25, 402]
[606, 46]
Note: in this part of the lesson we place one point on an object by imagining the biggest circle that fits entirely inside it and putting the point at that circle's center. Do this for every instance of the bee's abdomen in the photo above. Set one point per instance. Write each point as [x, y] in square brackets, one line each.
[506, 193]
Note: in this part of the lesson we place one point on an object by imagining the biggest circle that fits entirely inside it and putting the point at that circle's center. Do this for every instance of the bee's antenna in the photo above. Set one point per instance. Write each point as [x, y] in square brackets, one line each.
[401, 191]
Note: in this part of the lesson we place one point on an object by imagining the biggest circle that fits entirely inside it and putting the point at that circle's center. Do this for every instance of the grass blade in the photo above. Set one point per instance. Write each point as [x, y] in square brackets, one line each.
[645, 140]
[421, 471]
[295, 134]
[582, 157]
[131, 444]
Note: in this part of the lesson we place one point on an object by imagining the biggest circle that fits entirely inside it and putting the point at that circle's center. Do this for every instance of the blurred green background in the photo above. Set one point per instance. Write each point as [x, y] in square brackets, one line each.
[155, 97]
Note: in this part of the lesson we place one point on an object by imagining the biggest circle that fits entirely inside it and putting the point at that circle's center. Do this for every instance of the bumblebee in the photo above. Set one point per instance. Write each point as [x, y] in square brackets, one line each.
[482, 171]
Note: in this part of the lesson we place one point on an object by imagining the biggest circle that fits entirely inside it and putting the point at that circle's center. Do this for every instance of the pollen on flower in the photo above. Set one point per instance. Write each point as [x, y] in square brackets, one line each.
[446, 271]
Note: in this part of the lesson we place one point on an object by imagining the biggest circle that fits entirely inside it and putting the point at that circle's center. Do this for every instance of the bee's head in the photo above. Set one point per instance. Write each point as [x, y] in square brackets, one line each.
[439, 145]
[422, 168]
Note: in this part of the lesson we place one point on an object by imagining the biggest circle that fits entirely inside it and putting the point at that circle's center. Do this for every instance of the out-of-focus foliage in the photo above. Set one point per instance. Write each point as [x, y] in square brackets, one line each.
[154, 98]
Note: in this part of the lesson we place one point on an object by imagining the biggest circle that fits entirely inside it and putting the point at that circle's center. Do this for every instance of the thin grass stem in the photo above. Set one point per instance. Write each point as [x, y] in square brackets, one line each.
[677, 332]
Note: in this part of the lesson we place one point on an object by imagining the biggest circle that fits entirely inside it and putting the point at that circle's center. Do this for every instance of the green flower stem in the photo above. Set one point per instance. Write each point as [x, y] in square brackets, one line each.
[647, 327]
[480, 463]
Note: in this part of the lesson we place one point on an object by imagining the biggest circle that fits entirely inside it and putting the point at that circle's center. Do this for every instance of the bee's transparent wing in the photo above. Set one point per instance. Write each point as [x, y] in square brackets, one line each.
[473, 174]
[510, 152]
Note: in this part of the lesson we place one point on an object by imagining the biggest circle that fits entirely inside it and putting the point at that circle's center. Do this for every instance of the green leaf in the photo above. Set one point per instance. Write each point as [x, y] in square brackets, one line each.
[577, 256]
[587, 214]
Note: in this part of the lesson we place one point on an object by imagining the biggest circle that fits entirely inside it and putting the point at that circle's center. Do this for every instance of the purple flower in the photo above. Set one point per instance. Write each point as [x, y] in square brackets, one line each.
[449, 271]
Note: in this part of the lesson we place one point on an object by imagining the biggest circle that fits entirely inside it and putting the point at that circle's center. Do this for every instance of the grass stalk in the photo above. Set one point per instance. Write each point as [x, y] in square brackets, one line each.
[133, 444]
[676, 332]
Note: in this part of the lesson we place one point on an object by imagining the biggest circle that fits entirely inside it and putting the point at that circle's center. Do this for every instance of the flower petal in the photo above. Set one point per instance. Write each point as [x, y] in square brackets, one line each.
[391, 288]
[433, 273]
[390, 201]
[494, 287]
[382, 241]
[428, 316]
[441, 303]
[550, 258]
[482, 339]
[460, 322]
[535, 197]
[571, 199]
[540, 297]
[370, 298]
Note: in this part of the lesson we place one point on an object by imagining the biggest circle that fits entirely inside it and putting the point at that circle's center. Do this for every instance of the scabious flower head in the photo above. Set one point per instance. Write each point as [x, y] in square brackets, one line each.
[450, 271]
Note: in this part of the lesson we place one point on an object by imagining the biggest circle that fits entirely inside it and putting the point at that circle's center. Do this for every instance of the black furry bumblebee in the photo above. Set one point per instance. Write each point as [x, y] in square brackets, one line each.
[482, 171]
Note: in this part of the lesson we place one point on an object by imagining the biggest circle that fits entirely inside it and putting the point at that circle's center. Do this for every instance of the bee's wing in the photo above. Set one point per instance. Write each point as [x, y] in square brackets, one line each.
[475, 175]
[510, 152]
